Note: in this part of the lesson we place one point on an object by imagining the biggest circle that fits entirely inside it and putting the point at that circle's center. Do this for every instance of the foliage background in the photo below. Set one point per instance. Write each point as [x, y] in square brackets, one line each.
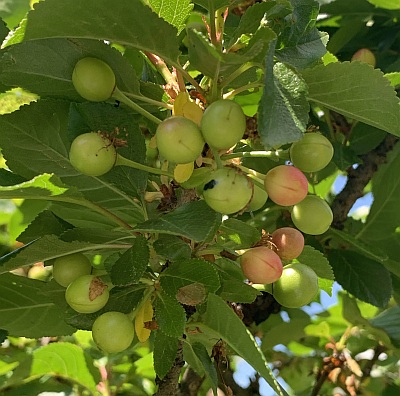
[362, 252]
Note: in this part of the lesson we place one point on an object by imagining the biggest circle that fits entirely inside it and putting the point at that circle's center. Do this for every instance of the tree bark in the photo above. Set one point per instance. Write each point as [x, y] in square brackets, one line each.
[357, 180]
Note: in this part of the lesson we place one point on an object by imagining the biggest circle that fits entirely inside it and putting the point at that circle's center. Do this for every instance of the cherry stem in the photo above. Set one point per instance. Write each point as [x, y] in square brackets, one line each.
[237, 91]
[257, 182]
[118, 95]
[145, 99]
[273, 154]
[217, 158]
[122, 161]
[252, 172]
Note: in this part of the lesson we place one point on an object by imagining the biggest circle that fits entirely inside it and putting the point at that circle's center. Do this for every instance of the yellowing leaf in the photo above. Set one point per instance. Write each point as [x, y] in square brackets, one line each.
[144, 314]
[179, 103]
[182, 172]
[153, 143]
[193, 112]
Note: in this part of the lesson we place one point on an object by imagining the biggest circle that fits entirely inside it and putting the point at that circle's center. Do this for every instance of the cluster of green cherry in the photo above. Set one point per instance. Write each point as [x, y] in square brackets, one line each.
[87, 293]
[226, 187]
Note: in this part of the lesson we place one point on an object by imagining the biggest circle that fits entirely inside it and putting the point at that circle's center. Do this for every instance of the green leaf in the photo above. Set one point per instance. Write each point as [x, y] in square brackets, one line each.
[170, 315]
[344, 156]
[39, 132]
[394, 78]
[363, 277]
[3, 337]
[317, 261]
[23, 216]
[127, 22]
[352, 313]
[389, 321]
[300, 43]
[216, 3]
[236, 234]
[201, 353]
[42, 249]
[284, 333]
[13, 11]
[129, 268]
[250, 21]
[3, 30]
[172, 248]
[44, 187]
[384, 216]
[64, 360]
[283, 109]
[45, 223]
[365, 138]
[351, 89]
[185, 272]
[326, 285]
[165, 350]
[344, 7]
[26, 65]
[203, 56]
[200, 228]
[29, 313]
[174, 12]
[235, 290]
[370, 250]
[221, 320]
[387, 4]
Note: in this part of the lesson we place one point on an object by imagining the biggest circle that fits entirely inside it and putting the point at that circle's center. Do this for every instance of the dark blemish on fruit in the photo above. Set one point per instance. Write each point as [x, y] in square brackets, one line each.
[210, 185]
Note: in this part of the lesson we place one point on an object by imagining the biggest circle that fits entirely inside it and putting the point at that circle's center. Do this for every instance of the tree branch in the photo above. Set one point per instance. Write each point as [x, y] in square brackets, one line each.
[191, 383]
[358, 178]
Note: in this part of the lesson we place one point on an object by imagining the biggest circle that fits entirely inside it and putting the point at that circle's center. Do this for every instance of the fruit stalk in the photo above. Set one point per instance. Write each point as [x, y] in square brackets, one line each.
[136, 165]
[118, 95]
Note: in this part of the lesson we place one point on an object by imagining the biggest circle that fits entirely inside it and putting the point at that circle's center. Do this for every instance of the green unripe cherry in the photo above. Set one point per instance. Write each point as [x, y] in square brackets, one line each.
[93, 79]
[113, 332]
[297, 286]
[312, 215]
[258, 199]
[179, 140]
[312, 153]
[227, 191]
[87, 294]
[223, 124]
[68, 268]
[92, 154]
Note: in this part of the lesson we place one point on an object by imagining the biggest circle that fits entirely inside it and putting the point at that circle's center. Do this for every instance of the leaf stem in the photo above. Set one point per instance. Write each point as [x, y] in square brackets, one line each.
[122, 161]
[328, 120]
[213, 15]
[237, 73]
[119, 95]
